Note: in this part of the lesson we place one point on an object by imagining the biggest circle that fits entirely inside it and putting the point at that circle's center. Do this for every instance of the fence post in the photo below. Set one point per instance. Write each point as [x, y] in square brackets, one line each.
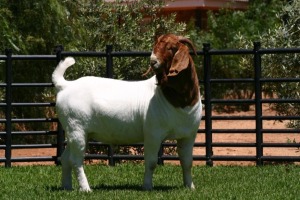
[109, 74]
[258, 106]
[207, 100]
[160, 161]
[61, 134]
[8, 111]
[109, 61]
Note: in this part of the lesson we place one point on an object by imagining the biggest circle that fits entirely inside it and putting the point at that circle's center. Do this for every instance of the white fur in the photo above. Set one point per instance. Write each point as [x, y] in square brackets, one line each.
[121, 112]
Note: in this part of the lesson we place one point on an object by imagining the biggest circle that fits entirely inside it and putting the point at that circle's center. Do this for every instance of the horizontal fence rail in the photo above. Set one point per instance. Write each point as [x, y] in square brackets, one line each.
[207, 55]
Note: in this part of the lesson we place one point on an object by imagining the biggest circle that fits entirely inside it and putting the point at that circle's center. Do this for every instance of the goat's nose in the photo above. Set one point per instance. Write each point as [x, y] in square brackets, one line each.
[153, 62]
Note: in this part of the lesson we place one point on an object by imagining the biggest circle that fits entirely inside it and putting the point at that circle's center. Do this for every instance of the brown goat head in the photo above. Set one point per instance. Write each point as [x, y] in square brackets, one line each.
[170, 56]
[175, 70]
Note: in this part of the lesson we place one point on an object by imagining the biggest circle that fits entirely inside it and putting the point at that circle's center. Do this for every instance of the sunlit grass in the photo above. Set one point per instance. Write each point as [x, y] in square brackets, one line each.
[124, 182]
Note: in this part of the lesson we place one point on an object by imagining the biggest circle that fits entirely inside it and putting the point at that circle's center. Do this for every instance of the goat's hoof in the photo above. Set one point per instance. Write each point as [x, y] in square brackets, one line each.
[85, 190]
[191, 186]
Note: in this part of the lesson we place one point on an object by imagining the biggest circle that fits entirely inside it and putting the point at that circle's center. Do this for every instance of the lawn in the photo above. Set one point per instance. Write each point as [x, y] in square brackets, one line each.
[124, 182]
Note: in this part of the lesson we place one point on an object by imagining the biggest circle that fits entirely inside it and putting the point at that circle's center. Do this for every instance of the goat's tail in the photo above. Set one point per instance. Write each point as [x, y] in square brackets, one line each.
[58, 74]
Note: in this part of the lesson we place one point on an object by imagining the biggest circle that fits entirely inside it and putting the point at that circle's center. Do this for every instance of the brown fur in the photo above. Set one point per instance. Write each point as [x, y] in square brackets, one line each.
[177, 75]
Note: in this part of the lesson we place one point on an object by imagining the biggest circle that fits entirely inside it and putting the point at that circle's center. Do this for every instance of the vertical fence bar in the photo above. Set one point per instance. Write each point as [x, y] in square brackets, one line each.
[8, 111]
[61, 133]
[207, 100]
[109, 61]
[258, 105]
[111, 152]
[160, 160]
[109, 74]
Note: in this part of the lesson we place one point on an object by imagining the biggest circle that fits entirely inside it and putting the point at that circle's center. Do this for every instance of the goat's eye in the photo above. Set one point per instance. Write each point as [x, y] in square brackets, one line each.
[169, 48]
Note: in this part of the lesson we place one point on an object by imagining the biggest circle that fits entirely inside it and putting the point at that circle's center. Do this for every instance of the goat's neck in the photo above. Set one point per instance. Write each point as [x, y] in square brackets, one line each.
[182, 90]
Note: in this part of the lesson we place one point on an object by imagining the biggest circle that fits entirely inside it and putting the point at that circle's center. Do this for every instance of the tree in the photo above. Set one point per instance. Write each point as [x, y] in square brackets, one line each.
[126, 25]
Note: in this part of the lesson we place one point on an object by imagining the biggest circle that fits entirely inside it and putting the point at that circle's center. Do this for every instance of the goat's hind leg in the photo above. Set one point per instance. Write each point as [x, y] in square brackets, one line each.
[77, 157]
[81, 177]
[73, 159]
[66, 169]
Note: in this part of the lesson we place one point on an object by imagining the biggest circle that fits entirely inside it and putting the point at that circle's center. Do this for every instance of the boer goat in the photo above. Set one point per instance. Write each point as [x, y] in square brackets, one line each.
[166, 106]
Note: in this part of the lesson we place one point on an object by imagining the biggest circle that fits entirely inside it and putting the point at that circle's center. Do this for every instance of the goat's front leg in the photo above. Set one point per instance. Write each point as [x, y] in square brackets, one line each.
[151, 156]
[185, 152]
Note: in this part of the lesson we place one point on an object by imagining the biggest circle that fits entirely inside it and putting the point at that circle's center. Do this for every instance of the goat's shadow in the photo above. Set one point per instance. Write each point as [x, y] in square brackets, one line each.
[124, 187]
[132, 187]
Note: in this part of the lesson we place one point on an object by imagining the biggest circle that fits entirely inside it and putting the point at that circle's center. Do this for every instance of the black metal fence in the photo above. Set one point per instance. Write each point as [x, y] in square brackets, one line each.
[207, 145]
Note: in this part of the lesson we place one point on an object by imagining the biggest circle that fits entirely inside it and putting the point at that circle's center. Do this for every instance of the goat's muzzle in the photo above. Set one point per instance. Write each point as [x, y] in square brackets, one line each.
[154, 62]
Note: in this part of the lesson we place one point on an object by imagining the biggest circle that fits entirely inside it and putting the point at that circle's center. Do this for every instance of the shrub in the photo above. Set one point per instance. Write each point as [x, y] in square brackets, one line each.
[286, 35]
[126, 25]
[231, 29]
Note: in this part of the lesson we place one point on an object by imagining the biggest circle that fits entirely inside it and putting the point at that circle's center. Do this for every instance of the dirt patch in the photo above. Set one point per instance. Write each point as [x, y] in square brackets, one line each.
[249, 138]
[217, 124]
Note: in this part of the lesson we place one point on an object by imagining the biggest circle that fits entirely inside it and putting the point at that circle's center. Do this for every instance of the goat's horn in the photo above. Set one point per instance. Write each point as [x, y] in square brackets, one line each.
[189, 42]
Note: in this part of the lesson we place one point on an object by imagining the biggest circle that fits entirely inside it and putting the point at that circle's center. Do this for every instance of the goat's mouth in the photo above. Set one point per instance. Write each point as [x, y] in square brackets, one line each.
[154, 62]
[153, 68]
[155, 65]
[159, 70]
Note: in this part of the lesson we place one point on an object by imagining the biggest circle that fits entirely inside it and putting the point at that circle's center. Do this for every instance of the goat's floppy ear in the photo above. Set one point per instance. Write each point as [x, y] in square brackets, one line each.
[180, 61]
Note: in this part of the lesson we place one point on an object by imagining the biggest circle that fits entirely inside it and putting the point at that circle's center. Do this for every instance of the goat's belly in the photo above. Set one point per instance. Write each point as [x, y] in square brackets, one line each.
[116, 131]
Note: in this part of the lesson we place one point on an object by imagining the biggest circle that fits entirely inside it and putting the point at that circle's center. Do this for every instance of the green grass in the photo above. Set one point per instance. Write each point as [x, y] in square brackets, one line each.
[124, 182]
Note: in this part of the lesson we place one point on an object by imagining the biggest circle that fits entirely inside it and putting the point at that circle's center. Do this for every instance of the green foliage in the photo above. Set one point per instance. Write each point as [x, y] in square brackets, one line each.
[32, 27]
[286, 35]
[229, 29]
[7, 30]
[276, 25]
[128, 26]
[227, 25]
[124, 182]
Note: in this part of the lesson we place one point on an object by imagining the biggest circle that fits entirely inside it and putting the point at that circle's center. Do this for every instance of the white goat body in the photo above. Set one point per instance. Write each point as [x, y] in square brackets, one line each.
[121, 112]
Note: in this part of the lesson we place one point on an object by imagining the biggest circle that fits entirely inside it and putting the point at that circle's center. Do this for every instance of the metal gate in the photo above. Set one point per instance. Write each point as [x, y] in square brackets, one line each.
[208, 144]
